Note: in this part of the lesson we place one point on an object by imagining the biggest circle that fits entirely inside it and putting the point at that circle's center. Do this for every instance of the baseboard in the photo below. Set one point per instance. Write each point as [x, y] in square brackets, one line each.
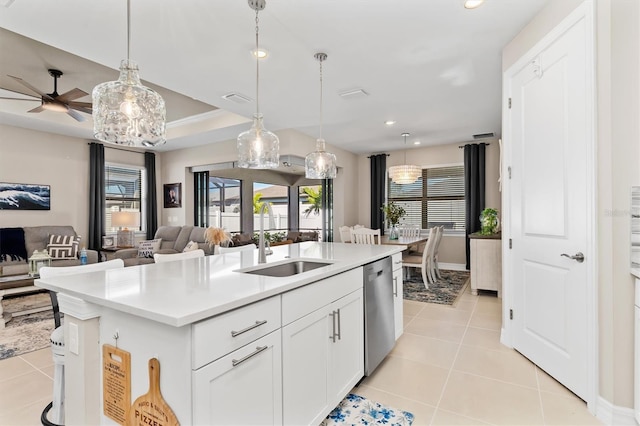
[453, 266]
[611, 414]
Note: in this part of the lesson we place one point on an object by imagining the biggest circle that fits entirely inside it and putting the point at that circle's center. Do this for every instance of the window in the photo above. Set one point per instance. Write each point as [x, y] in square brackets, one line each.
[439, 202]
[123, 188]
[277, 196]
[310, 208]
[225, 208]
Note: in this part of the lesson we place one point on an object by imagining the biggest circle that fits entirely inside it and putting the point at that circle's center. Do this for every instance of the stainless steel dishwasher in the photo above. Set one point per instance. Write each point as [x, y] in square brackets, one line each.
[379, 327]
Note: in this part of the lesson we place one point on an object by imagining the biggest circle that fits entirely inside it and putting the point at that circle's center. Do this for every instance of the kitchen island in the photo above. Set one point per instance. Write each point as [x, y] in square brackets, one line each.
[234, 346]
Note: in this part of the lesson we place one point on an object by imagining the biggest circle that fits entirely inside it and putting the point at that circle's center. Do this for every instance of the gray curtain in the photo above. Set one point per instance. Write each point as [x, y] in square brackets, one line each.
[327, 210]
[152, 198]
[474, 188]
[96, 196]
[378, 185]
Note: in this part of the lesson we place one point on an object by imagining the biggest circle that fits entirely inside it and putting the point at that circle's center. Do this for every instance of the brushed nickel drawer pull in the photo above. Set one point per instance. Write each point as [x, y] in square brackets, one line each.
[395, 286]
[339, 328]
[251, 327]
[236, 362]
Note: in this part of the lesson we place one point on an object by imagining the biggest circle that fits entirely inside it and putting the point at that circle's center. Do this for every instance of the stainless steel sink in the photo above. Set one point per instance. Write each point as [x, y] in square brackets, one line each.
[287, 269]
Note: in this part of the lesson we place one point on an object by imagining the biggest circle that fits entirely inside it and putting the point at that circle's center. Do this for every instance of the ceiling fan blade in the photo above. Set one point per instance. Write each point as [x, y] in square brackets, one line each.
[71, 95]
[82, 109]
[37, 109]
[28, 86]
[20, 99]
[23, 94]
[80, 104]
[75, 115]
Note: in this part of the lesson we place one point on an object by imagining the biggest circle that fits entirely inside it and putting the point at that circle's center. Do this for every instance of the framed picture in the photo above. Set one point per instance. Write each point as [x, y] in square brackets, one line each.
[24, 196]
[172, 195]
[108, 241]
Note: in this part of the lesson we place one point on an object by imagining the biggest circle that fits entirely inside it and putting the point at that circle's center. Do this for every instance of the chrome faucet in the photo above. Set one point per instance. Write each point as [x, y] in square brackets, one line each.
[262, 253]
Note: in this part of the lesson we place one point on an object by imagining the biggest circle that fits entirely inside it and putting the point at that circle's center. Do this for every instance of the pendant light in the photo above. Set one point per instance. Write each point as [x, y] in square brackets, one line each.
[126, 112]
[320, 164]
[406, 173]
[258, 147]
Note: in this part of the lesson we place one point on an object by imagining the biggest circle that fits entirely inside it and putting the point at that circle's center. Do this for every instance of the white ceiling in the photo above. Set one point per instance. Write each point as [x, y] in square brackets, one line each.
[431, 65]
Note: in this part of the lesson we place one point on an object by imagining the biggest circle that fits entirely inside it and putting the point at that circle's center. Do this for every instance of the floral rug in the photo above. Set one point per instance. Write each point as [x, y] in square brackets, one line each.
[358, 410]
[26, 333]
[444, 291]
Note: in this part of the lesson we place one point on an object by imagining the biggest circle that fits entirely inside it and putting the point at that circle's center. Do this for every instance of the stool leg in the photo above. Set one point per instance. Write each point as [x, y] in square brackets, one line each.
[57, 410]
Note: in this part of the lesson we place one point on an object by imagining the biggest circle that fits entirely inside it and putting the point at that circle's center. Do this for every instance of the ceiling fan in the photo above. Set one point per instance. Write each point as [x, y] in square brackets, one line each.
[55, 102]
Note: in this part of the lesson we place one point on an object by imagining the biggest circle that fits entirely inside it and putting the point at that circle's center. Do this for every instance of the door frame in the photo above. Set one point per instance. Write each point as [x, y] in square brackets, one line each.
[586, 12]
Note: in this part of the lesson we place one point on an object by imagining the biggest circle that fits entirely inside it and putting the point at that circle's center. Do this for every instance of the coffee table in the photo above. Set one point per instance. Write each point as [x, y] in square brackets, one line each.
[11, 285]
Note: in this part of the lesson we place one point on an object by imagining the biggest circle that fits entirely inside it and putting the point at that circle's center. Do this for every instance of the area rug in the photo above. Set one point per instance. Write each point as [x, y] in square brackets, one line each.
[444, 291]
[26, 333]
[358, 410]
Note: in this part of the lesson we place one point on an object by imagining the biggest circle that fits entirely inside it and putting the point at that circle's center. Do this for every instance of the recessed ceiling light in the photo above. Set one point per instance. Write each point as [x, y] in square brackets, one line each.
[390, 122]
[416, 143]
[260, 53]
[472, 4]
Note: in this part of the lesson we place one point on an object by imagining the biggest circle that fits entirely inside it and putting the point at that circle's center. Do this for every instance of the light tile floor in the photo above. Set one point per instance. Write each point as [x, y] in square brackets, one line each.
[448, 368]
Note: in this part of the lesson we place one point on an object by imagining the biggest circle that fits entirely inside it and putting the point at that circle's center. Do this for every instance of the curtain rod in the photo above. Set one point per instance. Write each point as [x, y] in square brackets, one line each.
[118, 148]
[379, 154]
[486, 143]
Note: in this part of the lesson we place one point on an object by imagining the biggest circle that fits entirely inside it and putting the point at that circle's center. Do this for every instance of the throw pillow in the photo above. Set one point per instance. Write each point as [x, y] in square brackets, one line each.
[63, 246]
[147, 248]
[191, 245]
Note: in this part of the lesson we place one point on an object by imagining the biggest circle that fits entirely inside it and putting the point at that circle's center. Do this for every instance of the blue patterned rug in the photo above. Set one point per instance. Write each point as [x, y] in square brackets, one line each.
[358, 410]
[444, 291]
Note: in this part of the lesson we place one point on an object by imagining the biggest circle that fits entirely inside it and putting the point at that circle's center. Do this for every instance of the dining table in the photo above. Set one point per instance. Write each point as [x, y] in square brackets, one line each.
[403, 241]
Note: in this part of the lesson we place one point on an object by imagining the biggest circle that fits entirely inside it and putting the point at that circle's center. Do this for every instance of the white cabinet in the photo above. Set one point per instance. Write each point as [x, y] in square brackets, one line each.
[243, 387]
[398, 317]
[636, 377]
[486, 263]
[322, 352]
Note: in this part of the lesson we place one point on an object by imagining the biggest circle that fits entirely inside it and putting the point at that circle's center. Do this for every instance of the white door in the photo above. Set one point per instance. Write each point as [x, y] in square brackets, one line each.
[550, 137]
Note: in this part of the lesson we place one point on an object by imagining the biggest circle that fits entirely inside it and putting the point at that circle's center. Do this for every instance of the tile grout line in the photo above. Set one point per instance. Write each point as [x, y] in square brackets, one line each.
[446, 382]
[544, 420]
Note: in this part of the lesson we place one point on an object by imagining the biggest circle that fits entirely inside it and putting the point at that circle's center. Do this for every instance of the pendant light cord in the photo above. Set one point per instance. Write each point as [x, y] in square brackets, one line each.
[257, 53]
[321, 116]
[128, 28]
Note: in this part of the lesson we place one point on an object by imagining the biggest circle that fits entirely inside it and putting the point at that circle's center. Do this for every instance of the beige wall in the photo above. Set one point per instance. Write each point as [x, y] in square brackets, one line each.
[618, 149]
[27, 156]
[452, 247]
[176, 166]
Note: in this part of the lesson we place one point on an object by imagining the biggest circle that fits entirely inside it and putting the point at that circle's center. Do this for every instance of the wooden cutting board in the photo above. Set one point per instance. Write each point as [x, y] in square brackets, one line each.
[151, 408]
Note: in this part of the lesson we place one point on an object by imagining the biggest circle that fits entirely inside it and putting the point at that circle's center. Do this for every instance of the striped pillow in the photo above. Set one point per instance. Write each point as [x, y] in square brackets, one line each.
[63, 246]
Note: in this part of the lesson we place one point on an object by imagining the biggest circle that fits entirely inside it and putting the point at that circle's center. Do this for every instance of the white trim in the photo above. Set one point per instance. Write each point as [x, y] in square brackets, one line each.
[611, 414]
[453, 266]
[78, 308]
[585, 11]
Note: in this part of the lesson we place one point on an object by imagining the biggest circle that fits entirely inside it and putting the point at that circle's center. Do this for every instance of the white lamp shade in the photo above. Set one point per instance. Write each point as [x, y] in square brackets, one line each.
[125, 219]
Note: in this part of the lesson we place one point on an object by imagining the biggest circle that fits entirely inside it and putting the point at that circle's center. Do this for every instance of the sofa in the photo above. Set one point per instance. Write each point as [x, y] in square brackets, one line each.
[173, 239]
[18, 244]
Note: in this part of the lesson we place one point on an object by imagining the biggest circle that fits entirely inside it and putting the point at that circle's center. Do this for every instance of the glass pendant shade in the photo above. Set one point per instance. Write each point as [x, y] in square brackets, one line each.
[257, 147]
[320, 164]
[404, 174]
[127, 113]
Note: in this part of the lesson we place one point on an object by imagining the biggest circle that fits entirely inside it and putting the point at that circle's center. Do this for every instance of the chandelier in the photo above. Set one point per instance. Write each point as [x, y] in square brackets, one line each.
[405, 173]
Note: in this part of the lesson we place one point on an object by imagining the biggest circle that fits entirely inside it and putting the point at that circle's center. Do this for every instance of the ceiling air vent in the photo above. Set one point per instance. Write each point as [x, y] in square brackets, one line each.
[237, 98]
[483, 135]
[353, 94]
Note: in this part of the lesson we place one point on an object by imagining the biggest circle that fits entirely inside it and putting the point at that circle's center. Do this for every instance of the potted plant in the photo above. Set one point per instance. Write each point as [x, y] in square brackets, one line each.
[393, 213]
[216, 236]
[489, 221]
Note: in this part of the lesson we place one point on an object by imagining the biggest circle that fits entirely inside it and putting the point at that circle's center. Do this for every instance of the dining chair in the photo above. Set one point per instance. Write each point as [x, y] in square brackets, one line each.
[412, 231]
[365, 236]
[246, 247]
[56, 407]
[169, 257]
[424, 261]
[345, 234]
[435, 268]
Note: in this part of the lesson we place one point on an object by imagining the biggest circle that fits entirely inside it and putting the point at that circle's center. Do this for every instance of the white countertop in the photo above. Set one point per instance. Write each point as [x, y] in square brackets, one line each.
[185, 291]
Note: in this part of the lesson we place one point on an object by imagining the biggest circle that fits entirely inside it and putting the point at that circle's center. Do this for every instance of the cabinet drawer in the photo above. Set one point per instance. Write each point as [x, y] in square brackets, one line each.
[220, 335]
[396, 261]
[304, 300]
